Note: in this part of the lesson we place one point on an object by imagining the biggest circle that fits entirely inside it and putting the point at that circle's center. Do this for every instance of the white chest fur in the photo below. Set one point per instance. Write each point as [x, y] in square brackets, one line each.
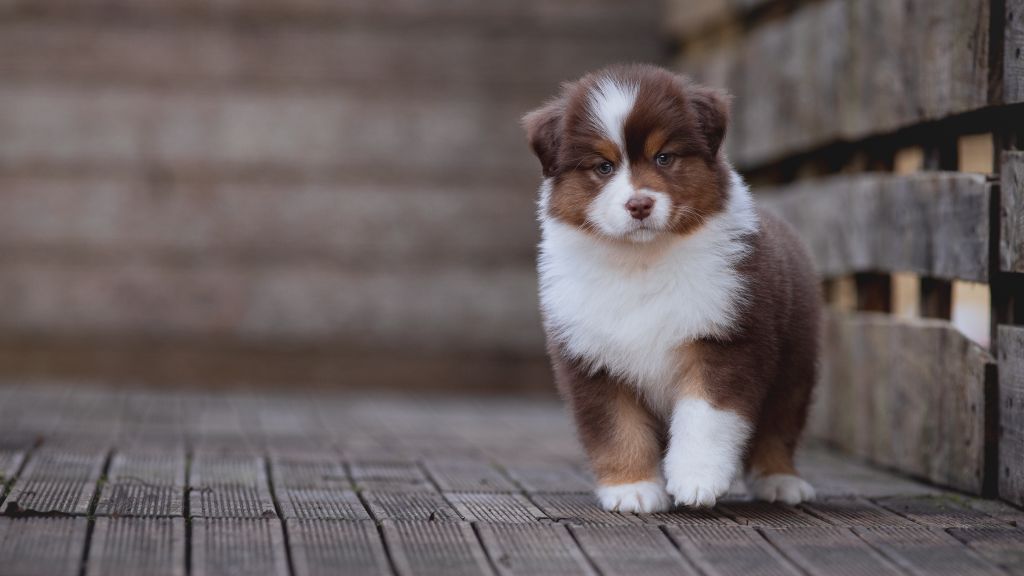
[629, 308]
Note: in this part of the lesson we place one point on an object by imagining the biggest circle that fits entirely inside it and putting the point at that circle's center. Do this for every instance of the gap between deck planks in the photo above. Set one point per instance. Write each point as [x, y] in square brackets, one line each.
[99, 481]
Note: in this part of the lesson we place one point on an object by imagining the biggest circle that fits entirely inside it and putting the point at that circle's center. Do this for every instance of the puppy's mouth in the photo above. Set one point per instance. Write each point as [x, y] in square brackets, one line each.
[642, 231]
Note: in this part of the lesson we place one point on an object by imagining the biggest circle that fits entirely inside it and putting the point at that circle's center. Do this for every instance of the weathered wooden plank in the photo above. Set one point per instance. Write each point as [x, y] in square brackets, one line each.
[533, 549]
[56, 482]
[1011, 413]
[924, 551]
[683, 516]
[223, 486]
[835, 476]
[398, 475]
[409, 505]
[352, 304]
[312, 56]
[549, 477]
[1011, 214]
[585, 15]
[837, 70]
[495, 508]
[131, 546]
[325, 547]
[435, 548]
[1013, 52]
[222, 546]
[691, 17]
[883, 403]
[42, 546]
[830, 551]
[10, 462]
[766, 515]
[144, 484]
[933, 224]
[852, 512]
[464, 475]
[1001, 546]
[580, 509]
[630, 550]
[239, 219]
[317, 503]
[940, 512]
[314, 473]
[720, 551]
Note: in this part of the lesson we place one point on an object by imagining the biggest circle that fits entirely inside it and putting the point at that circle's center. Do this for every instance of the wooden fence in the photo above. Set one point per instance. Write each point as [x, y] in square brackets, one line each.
[889, 133]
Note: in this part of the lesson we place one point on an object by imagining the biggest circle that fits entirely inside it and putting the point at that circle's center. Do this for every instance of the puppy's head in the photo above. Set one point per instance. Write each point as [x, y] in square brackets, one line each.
[632, 153]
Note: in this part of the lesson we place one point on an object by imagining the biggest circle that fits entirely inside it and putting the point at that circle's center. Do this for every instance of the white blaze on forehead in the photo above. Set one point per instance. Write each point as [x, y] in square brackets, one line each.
[610, 103]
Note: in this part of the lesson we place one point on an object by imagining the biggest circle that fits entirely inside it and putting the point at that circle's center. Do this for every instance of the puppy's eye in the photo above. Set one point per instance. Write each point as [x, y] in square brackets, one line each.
[663, 160]
[605, 168]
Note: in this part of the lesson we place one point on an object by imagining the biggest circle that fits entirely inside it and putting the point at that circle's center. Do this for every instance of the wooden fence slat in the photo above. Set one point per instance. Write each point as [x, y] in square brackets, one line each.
[830, 551]
[42, 546]
[1013, 47]
[722, 551]
[132, 546]
[626, 550]
[435, 548]
[56, 482]
[327, 547]
[837, 70]
[250, 546]
[932, 224]
[908, 394]
[144, 484]
[1011, 217]
[533, 550]
[926, 552]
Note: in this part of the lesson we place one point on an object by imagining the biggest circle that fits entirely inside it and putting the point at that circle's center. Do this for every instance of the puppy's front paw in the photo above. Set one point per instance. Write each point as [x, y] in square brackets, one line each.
[645, 497]
[697, 488]
[781, 488]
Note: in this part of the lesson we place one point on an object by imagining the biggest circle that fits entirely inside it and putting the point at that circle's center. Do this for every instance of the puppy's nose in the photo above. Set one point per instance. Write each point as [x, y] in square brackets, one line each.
[640, 206]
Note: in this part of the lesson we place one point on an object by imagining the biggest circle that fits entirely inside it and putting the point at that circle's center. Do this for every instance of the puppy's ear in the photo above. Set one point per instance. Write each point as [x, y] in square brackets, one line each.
[544, 132]
[712, 109]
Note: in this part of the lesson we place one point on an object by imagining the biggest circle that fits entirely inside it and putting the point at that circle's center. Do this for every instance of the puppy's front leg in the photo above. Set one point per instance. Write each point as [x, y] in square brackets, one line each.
[622, 439]
[708, 435]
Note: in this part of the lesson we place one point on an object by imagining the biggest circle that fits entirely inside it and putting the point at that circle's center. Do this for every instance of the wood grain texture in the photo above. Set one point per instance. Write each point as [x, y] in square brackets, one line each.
[465, 475]
[1011, 211]
[132, 546]
[934, 224]
[144, 484]
[908, 394]
[940, 512]
[495, 508]
[223, 486]
[830, 551]
[326, 547]
[435, 548]
[1003, 547]
[624, 550]
[1013, 52]
[238, 546]
[924, 551]
[537, 549]
[42, 546]
[1011, 413]
[56, 482]
[720, 551]
[836, 70]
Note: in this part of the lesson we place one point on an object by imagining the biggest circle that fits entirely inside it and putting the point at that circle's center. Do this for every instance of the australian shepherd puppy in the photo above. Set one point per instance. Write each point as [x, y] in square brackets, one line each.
[682, 321]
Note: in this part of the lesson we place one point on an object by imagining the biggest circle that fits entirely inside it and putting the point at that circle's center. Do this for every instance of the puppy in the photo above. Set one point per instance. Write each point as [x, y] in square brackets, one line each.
[682, 321]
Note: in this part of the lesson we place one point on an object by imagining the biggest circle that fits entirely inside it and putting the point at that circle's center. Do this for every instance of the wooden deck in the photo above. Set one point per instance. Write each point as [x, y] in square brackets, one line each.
[104, 482]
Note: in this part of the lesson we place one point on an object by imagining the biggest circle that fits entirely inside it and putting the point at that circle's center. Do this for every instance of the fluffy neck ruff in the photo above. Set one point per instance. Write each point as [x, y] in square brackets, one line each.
[629, 307]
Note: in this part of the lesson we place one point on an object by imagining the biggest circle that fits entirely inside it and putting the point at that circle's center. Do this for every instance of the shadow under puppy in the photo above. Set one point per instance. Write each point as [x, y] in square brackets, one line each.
[682, 321]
